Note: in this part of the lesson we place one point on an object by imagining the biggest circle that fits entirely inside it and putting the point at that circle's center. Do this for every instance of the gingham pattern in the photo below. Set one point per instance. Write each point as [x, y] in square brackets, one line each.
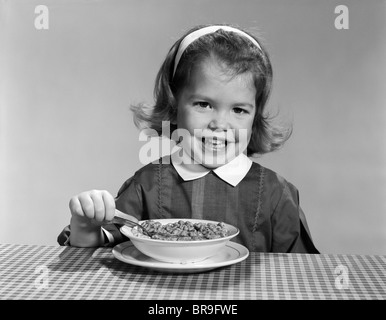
[50, 272]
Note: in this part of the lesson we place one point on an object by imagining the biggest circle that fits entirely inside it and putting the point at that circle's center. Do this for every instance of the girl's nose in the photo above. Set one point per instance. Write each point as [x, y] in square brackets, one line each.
[219, 122]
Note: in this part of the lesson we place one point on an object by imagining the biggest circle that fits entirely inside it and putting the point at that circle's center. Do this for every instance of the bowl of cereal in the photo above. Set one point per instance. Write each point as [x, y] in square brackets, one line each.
[180, 240]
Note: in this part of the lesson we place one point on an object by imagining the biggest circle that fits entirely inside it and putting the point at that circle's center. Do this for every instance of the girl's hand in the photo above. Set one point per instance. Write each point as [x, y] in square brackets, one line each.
[90, 210]
[95, 207]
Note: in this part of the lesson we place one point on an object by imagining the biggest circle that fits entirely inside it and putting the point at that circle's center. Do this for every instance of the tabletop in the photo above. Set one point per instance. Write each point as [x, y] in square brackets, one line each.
[36, 272]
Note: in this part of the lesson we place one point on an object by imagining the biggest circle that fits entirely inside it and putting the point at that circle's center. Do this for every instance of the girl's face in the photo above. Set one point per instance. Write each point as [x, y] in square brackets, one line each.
[218, 112]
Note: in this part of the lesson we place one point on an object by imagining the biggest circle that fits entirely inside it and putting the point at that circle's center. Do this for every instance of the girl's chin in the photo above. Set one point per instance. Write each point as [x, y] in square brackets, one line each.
[214, 158]
[212, 164]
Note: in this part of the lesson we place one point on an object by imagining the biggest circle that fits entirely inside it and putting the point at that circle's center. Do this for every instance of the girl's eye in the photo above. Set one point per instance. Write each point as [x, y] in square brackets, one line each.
[202, 104]
[239, 110]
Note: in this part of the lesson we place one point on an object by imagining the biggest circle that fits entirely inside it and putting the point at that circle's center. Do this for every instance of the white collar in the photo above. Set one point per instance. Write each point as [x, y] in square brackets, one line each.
[232, 172]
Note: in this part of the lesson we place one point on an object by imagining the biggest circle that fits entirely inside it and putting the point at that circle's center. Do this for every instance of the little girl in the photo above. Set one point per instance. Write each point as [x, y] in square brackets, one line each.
[213, 88]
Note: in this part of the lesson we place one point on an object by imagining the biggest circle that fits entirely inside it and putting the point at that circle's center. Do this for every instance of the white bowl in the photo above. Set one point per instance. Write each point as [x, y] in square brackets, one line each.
[179, 251]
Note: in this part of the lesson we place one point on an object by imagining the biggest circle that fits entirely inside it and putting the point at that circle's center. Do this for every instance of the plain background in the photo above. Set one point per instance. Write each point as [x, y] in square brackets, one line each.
[65, 124]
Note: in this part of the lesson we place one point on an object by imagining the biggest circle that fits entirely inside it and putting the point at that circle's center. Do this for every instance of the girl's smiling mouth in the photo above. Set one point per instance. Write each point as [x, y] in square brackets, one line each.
[214, 143]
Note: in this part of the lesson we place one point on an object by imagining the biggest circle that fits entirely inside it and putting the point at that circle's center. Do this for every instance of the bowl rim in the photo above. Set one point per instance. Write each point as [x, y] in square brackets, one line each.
[126, 230]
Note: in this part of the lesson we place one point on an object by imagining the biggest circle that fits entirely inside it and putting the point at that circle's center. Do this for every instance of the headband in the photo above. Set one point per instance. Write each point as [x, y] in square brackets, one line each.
[191, 37]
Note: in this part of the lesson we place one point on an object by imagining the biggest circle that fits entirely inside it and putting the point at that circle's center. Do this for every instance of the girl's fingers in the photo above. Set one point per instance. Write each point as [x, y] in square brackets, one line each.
[87, 205]
[96, 205]
[76, 206]
[99, 206]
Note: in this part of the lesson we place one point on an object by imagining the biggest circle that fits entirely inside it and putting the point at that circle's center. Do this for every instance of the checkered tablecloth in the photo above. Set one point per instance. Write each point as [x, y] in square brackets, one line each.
[50, 272]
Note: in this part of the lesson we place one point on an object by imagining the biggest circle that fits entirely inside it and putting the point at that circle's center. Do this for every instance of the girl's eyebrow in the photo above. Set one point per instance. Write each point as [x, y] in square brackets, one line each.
[204, 98]
[194, 96]
[244, 104]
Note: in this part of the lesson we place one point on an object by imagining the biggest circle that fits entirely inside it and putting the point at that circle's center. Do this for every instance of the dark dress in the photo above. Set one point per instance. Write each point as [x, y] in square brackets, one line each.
[264, 206]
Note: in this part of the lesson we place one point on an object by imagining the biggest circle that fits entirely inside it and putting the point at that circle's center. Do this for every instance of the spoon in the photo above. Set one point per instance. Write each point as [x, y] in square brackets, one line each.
[128, 220]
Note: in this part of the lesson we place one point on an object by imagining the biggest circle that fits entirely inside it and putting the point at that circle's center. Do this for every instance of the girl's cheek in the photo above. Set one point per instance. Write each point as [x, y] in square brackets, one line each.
[242, 135]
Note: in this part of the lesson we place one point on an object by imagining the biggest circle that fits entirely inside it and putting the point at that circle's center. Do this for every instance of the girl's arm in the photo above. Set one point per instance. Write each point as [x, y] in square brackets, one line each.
[290, 229]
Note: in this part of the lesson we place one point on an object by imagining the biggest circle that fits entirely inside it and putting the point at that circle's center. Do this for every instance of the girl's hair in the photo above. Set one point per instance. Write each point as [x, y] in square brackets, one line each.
[239, 55]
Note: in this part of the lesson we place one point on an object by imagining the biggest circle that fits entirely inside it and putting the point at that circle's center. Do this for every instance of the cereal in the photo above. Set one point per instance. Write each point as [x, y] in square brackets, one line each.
[184, 230]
